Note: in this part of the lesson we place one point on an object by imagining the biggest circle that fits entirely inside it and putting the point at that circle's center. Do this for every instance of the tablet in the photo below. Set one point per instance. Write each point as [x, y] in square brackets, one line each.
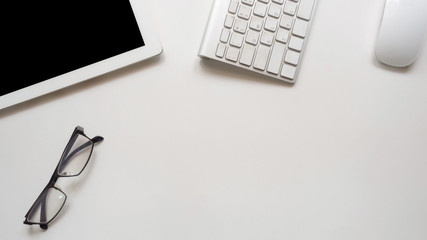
[67, 42]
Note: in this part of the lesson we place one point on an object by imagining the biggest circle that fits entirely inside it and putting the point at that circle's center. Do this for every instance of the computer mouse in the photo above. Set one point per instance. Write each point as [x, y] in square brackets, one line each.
[402, 32]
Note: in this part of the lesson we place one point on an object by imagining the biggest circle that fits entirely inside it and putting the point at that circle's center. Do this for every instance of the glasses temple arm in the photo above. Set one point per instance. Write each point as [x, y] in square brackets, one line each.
[43, 217]
[97, 139]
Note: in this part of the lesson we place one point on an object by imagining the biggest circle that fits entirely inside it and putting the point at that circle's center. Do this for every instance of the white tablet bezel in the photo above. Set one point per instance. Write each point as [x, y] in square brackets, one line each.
[151, 48]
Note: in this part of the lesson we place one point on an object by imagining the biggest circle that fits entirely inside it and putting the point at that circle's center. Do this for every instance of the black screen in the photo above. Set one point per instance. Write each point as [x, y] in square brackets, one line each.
[60, 36]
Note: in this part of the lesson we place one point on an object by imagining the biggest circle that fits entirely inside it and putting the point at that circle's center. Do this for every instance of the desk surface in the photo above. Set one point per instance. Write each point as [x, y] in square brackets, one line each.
[198, 150]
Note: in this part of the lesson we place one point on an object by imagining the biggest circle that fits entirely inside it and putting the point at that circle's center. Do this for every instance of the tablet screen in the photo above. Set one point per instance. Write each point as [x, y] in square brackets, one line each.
[62, 36]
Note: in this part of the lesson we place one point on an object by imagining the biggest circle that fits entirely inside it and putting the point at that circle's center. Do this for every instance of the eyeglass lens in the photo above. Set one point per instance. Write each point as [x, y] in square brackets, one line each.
[47, 206]
[75, 156]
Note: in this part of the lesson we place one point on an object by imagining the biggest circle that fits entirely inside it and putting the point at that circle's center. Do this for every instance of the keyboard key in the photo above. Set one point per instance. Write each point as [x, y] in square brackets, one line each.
[288, 71]
[278, 1]
[290, 8]
[244, 12]
[305, 9]
[296, 43]
[261, 57]
[248, 2]
[220, 50]
[286, 21]
[292, 57]
[260, 9]
[267, 38]
[282, 35]
[252, 37]
[247, 55]
[276, 58]
[300, 28]
[234, 4]
[225, 34]
[229, 21]
[270, 24]
[232, 54]
[256, 23]
[237, 39]
[274, 10]
[240, 26]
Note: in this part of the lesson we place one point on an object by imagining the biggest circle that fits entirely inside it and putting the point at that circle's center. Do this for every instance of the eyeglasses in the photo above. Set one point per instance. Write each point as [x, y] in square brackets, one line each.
[73, 161]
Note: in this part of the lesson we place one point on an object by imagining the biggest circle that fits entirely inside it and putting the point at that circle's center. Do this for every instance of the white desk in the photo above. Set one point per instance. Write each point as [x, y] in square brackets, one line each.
[198, 150]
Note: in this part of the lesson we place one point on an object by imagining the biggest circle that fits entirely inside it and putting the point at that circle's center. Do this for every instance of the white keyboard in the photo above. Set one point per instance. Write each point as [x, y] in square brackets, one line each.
[264, 36]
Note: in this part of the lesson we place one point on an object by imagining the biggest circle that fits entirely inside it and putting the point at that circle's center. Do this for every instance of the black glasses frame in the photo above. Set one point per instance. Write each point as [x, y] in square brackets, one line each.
[41, 199]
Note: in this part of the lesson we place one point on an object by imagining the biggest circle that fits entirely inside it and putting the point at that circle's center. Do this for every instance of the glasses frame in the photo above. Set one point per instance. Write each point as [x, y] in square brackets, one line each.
[51, 184]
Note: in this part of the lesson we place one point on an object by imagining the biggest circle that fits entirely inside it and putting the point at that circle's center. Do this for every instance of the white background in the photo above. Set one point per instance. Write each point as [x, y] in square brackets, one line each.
[195, 149]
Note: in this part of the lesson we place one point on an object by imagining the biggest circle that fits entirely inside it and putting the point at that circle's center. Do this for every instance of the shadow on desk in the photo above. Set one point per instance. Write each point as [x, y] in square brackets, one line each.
[383, 66]
[64, 92]
[228, 72]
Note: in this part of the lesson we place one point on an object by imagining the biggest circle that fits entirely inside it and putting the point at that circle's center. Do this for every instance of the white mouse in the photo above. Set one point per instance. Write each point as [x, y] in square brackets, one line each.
[402, 32]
